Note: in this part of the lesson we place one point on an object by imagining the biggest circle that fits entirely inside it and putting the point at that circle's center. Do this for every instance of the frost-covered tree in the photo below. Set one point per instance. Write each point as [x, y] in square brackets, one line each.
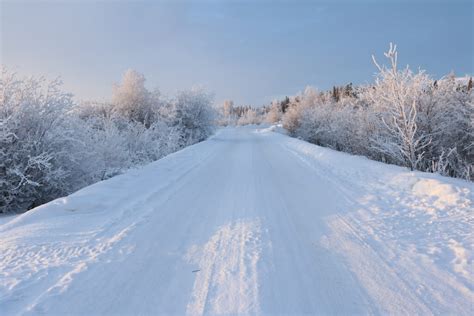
[131, 99]
[284, 104]
[292, 118]
[275, 113]
[396, 96]
[227, 115]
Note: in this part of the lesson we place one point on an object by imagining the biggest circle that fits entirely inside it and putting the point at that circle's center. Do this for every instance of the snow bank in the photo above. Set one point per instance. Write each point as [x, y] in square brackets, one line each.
[442, 195]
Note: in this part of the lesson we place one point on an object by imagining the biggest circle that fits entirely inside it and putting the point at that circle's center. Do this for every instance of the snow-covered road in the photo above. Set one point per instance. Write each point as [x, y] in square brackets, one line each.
[248, 222]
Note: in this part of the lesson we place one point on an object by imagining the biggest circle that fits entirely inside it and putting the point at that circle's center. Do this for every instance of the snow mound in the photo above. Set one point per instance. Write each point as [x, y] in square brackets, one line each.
[441, 194]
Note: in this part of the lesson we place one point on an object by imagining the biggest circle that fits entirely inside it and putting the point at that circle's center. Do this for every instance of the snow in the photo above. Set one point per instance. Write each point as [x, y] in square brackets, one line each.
[249, 221]
[232, 248]
[443, 195]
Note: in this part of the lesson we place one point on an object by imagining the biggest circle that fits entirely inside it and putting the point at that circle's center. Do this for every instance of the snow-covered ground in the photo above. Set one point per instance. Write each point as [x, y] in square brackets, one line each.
[250, 221]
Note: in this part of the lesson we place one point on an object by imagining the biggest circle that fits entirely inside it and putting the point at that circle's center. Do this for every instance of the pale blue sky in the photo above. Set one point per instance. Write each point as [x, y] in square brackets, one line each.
[248, 51]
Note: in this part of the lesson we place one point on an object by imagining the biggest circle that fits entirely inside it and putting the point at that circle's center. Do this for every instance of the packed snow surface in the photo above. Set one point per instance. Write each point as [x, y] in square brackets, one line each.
[248, 222]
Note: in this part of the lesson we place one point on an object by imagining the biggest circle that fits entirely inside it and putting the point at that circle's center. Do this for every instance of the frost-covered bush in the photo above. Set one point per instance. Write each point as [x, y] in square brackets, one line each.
[190, 115]
[51, 146]
[32, 157]
[447, 115]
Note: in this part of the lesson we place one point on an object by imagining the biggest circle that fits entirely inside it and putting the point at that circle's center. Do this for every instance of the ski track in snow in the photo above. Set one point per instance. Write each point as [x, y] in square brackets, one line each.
[227, 280]
[248, 222]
